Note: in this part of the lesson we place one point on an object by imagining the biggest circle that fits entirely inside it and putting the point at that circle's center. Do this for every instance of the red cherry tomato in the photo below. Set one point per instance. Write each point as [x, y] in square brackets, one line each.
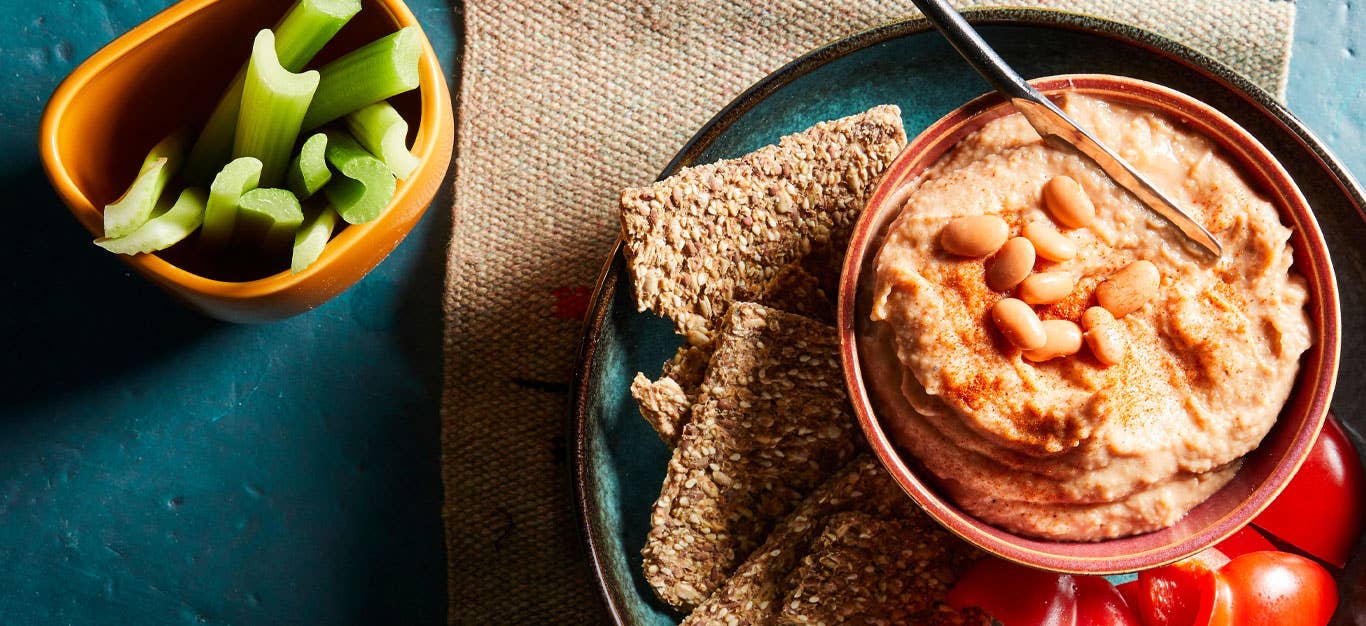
[1036, 597]
[1130, 591]
[1216, 602]
[1264, 588]
[1173, 595]
[1248, 539]
[1322, 510]
[1015, 595]
[1279, 588]
[1100, 604]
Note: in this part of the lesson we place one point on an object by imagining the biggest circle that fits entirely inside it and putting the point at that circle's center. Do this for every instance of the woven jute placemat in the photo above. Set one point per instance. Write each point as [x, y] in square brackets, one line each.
[561, 105]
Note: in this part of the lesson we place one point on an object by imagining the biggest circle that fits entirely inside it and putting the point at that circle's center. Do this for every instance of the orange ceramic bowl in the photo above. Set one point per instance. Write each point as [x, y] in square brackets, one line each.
[1266, 470]
[167, 73]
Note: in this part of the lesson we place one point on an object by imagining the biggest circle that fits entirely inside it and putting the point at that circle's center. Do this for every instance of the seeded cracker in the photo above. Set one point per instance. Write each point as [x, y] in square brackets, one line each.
[772, 422]
[667, 403]
[788, 558]
[663, 403]
[795, 290]
[755, 592]
[717, 233]
[869, 570]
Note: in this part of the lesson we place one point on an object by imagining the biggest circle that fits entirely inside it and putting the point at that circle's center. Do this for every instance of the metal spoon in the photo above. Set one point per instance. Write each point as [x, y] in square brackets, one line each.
[1052, 123]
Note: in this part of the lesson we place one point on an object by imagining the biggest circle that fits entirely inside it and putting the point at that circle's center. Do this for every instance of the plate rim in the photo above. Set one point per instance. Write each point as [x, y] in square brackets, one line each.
[604, 290]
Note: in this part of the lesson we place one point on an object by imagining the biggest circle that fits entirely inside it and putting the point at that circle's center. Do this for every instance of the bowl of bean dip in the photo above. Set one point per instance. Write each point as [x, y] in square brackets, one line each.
[1048, 370]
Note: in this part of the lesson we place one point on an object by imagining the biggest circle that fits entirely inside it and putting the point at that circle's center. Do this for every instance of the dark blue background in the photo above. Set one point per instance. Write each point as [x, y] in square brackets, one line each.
[159, 467]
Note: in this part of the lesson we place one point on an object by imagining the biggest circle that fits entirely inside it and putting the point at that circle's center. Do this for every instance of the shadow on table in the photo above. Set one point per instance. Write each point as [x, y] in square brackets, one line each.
[421, 306]
[77, 315]
[422, 301]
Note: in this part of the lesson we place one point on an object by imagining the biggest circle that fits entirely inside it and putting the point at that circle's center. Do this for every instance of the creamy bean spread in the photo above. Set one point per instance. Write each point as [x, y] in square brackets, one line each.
[1074, 447]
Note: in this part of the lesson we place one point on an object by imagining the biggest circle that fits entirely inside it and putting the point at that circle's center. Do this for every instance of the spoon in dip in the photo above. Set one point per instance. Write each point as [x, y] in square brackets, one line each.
[1052, 123]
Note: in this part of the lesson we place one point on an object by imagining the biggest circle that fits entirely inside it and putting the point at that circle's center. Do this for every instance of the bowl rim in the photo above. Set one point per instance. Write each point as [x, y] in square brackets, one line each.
[433, 102]
[1315, 379]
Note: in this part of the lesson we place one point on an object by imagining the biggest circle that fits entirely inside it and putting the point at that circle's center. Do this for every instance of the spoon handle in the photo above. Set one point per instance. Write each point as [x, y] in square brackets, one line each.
[975, 50]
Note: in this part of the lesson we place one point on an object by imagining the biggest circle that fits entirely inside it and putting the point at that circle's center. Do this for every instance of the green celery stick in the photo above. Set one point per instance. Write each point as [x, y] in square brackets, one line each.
[312, 238]
[134, 208]
[299, 35]
[164, 230]
[273, 104]
[384, 133]
[238, 177]
[377, 71]
[365, 186]
[270, 216]
[308, 26]
[308, 172]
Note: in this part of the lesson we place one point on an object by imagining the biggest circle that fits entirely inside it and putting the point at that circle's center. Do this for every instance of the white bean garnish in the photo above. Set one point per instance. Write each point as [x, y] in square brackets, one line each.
[1103, 335]
[1019, 324]
[1049, 243]
[1046, 287]
[1068, 203]
[974, 236]
[1012, 263]
[1063, 339]
[1129, 289]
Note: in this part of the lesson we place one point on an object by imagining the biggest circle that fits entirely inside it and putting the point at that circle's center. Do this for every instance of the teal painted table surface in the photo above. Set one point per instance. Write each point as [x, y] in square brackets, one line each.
[158, 467]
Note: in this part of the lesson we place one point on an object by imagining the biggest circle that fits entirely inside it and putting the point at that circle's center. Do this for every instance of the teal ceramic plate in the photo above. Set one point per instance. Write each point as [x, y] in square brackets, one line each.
[619, 462]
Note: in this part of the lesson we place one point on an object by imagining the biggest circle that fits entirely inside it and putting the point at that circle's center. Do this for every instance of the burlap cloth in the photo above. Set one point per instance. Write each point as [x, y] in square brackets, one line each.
[561, 105]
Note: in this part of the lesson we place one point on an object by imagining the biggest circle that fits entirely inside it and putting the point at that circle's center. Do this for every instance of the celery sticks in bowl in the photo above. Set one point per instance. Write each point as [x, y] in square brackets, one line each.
[186, 67]
[286, 140]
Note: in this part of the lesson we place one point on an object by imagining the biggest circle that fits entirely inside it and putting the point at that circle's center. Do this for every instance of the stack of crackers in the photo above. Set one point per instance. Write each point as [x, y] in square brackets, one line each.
[772, 511]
